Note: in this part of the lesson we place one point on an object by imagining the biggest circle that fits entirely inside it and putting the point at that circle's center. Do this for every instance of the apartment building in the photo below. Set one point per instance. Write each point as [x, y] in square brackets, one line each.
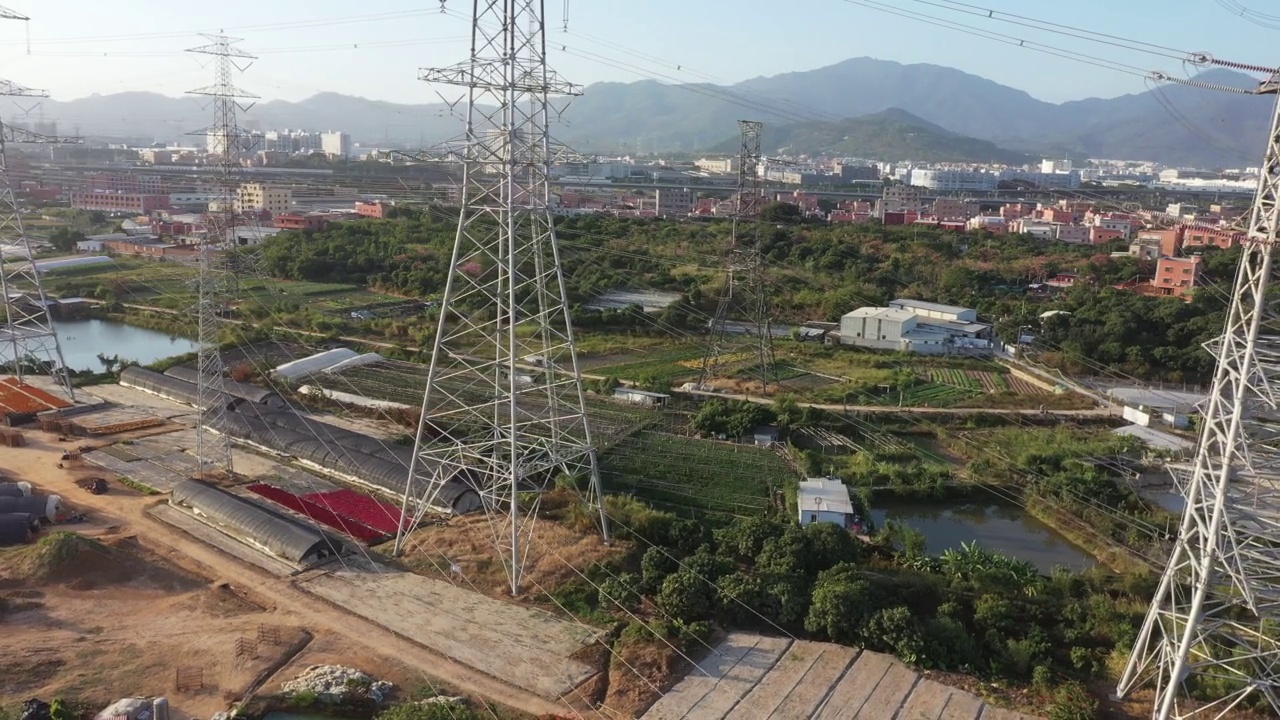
[670, 202]
[1177, 276]
[133, 203]
[335, 144]
[954, 180]
[254, 197]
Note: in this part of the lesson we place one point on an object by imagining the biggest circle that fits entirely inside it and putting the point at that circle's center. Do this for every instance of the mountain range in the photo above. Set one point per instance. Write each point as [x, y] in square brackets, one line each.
[1172, 124]
[889, 134]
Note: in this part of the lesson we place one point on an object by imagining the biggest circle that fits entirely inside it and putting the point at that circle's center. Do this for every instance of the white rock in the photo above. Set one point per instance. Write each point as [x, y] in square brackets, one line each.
[329, 683]
[443, 700]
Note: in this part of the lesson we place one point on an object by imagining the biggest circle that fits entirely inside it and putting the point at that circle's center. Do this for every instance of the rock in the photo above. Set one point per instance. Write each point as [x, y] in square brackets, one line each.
[444, 700]
[333, 683]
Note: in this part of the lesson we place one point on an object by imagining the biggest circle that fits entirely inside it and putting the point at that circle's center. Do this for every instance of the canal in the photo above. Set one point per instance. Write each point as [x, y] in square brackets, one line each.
[83, 340]
[992, 522]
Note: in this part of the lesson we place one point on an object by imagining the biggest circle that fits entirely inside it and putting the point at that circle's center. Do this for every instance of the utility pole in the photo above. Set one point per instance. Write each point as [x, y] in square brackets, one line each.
[225, 137]
[1212, 624]
[28, 335]
[744, 300]
[504, 411]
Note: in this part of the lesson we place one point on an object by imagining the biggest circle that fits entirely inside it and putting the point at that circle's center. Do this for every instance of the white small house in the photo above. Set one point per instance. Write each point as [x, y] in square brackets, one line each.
[825, 500]
[640, 397]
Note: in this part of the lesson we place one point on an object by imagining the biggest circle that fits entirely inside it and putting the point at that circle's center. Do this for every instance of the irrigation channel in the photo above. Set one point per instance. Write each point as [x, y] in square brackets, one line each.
[83, 340]
[992, 522]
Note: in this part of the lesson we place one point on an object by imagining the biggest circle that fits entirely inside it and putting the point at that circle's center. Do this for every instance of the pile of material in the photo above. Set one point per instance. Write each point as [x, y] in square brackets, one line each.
[333, 683]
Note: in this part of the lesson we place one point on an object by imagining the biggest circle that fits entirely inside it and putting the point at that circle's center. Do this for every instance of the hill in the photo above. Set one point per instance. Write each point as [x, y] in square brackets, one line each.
[892, 134]
[1199, 127]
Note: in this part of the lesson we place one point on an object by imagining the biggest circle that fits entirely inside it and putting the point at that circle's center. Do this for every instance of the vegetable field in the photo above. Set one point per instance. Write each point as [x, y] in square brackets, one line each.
[697, 476]
[666, 365]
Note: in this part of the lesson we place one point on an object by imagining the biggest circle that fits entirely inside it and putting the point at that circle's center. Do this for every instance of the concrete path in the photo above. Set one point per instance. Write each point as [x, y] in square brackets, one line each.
[752, 677]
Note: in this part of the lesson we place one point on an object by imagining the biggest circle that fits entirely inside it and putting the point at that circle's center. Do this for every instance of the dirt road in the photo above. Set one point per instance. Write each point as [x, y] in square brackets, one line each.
[37, 463]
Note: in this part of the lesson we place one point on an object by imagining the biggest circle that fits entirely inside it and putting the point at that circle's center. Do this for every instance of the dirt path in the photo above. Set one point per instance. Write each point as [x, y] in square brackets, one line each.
[37, 463]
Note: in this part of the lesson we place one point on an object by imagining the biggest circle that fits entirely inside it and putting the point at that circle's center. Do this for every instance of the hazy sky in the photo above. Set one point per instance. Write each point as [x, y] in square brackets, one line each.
[373, 49]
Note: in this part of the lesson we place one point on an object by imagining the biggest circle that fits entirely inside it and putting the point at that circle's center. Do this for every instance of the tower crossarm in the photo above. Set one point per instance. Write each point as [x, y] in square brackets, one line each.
[13, 89]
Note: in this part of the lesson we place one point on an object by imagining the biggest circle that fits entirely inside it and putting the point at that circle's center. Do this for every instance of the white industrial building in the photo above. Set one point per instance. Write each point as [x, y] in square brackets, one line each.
[954, 180]
[826, 500]
[917, 326]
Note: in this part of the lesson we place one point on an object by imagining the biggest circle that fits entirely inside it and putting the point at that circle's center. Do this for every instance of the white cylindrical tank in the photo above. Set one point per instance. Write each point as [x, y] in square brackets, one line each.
[160, 709]
[25, 487]
[53, 508]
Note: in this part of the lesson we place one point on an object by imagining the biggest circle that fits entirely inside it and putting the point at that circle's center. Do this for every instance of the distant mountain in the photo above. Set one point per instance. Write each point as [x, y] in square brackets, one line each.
[892, 134]
[1175, 124]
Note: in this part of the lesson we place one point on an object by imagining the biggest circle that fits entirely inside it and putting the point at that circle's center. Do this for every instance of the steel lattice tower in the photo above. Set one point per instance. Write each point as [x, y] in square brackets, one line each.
[28, 335]
[225, 136]
[504, 409]
[741, 322]
[1214, 623]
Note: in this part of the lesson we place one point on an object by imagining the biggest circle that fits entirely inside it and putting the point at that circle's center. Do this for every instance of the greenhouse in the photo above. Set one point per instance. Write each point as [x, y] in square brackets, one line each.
[170, 388]
[244, 391]
[256, 525]
[15, 528]
[381, 464]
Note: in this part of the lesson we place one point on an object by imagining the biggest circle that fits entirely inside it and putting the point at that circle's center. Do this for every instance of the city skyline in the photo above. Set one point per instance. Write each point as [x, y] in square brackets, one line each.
[306, 48]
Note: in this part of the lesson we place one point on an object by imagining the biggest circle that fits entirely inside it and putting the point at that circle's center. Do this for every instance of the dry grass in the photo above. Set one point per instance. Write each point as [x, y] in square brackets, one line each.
[556, 553]
[639, 674]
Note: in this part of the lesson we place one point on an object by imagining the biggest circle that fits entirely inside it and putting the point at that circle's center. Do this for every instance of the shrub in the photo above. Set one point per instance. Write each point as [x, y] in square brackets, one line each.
[1072, 701]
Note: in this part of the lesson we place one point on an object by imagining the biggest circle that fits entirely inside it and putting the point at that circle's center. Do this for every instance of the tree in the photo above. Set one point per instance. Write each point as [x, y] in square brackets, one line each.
[829, 545]
[780, 212]
[64, 239]
[841, 605]
[686, 597]
[622, 590]
[895, 630]
[655, 565]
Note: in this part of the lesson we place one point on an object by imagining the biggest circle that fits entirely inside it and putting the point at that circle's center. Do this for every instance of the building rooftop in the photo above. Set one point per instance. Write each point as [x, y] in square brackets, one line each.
[955, 325]
[1156, 399]
[824, 495]
[930, 306]
[881, 313]
[1156, 438]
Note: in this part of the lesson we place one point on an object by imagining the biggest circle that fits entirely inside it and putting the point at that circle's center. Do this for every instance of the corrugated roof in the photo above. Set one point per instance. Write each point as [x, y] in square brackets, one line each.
[881, 313]
[1155, 438]
[279, 535]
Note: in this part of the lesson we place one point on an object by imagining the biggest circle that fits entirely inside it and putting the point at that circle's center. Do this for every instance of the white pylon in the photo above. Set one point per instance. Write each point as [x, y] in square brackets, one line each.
[28, 340]
[504, 409]
[225, 136]
[1211, 639]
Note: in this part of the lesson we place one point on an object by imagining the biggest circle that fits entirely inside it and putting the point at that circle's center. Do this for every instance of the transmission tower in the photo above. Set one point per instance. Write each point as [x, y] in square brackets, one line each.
[225, 138]
[1214, 623]
[741, 323]
[28, 337]
[504, 409]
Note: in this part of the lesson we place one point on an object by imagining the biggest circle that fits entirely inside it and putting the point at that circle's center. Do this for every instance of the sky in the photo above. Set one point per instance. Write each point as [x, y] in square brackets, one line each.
[373, 49]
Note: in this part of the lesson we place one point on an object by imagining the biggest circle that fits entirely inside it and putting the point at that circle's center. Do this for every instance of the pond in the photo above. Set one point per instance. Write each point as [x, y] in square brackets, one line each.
[83, 340]
[994, 523]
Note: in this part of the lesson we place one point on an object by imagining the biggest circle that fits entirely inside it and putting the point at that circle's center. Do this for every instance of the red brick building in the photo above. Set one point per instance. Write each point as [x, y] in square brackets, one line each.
[1100, 235]
[376, 210]
[1177, 276]
[119, 202]
[294, 221]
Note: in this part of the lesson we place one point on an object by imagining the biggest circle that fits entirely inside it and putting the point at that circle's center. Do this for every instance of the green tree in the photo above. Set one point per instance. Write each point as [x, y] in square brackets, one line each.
[686, 597]
[622, 590]
[842, 604]
[655, 565]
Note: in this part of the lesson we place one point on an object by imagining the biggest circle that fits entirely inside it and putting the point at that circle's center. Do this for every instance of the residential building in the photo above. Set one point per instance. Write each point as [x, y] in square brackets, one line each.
[1169, 241]
[1100, 236]
[261, 196]
[149, 247]
[1055, 166]
[1073, 234]
[990, 223]
[900, 198]
[671, 202]
[945, 208]
[296, 221]
[1177, 276]
[1038, 229]
[848, 173]
[1200, 236]
[1145, 248]
[826, 500]
[377, 209]
[335, 144]
[125, 183]
[954, 180]
[134, 203]
[1121, 225]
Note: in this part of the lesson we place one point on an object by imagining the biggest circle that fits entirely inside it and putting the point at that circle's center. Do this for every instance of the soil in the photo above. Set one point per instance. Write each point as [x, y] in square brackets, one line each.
[162, 600]
[639, 673]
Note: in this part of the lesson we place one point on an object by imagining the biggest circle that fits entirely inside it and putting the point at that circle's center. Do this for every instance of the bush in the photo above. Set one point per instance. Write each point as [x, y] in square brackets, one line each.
[686, 597]
[622, 591]
[655, 565]
[895, 630]
[1072, 701]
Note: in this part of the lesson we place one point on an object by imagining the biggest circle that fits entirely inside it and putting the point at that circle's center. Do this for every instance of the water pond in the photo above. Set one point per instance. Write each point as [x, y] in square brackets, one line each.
[83, 340]
[994, 523]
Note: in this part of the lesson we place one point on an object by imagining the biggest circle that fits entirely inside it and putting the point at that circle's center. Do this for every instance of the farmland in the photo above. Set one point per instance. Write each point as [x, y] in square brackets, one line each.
[689, 475]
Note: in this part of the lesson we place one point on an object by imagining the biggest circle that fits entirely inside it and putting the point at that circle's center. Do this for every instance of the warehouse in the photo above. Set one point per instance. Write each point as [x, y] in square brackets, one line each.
[252, 524]
[170, 388]
[244, 391]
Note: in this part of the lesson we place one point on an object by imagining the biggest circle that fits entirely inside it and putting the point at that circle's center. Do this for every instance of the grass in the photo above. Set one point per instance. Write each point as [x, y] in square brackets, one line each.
[140, 487]
[666, 366]
[695, 476]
